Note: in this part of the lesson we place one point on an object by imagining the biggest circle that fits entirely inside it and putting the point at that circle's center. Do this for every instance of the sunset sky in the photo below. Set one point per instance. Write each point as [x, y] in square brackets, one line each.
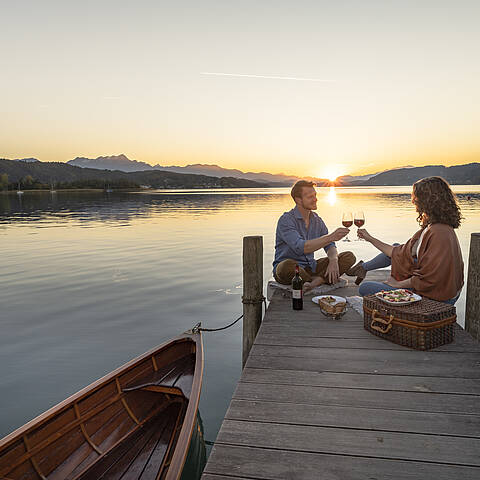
[300, 87]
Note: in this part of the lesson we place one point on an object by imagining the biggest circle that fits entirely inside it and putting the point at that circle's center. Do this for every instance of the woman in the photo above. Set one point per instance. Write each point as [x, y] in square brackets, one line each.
[430, 263]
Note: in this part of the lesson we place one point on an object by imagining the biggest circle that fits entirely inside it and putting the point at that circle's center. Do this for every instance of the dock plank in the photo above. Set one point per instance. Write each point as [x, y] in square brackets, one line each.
[339, 441]
[462, 343]
[367, 381]
[382, 366]
[359, 354]
[356, 418]
[388, 400]
[269, 464]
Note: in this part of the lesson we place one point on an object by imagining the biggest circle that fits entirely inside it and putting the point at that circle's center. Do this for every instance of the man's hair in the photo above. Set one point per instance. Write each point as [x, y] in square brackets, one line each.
[297, 188]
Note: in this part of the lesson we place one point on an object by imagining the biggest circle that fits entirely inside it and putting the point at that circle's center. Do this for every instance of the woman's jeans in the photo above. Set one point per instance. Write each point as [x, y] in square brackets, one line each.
[382, 261]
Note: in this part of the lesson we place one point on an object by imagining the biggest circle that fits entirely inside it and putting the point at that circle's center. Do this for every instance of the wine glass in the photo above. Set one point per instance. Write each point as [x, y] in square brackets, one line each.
[347, 221]
[359, 220]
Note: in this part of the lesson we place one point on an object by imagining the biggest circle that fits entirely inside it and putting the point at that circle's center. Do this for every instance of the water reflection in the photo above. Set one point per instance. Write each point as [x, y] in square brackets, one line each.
[91, 280]
[197, 453]
[121, 208]
[332, 196]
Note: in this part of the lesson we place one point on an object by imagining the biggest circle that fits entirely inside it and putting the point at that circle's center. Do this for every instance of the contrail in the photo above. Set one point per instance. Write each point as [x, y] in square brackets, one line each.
[274, 77]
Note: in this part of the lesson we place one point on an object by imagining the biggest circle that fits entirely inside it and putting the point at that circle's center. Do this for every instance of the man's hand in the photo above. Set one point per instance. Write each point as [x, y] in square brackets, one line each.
[332, 272]
[362, 233]
[338, 234]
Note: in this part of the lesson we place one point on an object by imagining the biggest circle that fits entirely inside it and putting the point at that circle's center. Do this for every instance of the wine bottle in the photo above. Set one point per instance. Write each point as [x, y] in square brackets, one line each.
[297, 290]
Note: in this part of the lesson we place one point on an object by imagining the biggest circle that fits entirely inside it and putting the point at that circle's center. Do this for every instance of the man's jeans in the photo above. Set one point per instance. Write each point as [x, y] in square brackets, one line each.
[285, 270]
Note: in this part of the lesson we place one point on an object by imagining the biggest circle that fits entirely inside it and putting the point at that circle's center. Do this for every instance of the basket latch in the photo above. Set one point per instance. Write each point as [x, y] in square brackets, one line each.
[386, 325]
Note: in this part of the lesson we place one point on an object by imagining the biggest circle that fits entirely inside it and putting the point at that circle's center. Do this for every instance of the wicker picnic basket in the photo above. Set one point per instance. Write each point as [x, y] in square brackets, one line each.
[421, 325]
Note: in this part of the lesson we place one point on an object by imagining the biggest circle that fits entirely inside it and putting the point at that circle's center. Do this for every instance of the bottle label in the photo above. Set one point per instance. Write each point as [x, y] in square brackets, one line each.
[296, 294]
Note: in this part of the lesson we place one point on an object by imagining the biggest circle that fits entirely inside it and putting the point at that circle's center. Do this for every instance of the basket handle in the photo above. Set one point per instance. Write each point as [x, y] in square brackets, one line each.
[387, 324]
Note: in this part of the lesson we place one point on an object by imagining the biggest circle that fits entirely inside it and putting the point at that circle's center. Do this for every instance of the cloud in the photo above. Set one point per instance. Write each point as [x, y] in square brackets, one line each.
[273, 77]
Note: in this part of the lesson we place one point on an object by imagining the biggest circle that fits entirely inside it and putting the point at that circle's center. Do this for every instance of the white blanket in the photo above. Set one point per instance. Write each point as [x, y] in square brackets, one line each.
[356, 303]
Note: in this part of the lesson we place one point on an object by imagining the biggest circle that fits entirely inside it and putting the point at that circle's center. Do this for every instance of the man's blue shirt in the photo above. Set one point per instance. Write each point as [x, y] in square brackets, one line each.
[292, 234]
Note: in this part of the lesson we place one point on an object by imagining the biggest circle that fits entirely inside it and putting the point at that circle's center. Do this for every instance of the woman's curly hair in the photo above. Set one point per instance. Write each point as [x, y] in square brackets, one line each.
[435, 202]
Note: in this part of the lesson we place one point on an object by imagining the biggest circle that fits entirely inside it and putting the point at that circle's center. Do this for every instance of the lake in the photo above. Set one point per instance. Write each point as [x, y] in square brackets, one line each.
[90, 280]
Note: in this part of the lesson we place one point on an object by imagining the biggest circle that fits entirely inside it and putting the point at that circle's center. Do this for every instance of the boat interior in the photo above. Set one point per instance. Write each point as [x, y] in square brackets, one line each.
[126, 427]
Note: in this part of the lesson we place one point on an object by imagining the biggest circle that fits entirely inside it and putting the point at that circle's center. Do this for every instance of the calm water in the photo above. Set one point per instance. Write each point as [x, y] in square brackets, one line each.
[90, 280]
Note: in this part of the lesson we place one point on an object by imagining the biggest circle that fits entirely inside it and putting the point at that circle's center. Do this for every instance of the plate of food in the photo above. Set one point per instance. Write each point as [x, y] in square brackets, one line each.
[331, 303]
[398, 297]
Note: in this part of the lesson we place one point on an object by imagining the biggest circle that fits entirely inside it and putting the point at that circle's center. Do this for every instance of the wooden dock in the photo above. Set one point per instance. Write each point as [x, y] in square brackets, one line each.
[324, 399]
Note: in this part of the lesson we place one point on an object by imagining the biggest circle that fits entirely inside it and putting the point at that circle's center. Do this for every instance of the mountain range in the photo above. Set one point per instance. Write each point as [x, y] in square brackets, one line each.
[120, 166]
[123, 163]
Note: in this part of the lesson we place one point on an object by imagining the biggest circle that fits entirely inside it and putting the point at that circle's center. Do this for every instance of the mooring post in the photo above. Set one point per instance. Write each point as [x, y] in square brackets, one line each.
[252, 291]
[472, 312]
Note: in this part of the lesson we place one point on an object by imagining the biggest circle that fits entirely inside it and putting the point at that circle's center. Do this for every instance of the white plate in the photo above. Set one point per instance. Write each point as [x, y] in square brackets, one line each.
[416, 297]
[337, 299]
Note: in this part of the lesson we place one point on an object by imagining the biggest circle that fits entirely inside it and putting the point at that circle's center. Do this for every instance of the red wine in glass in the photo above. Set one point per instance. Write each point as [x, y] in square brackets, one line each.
[359, 220]
[347, 222]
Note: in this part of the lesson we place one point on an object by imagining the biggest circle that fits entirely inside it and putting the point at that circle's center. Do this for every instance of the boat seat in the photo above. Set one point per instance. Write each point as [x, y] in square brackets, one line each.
[155, 387]
[164, 380]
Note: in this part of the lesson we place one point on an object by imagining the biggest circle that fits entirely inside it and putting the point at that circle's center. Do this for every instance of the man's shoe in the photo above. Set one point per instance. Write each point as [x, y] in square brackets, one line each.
[358, 271]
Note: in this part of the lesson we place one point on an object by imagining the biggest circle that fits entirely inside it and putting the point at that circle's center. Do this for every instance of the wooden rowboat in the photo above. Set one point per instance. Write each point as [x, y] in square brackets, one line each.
[134, 423]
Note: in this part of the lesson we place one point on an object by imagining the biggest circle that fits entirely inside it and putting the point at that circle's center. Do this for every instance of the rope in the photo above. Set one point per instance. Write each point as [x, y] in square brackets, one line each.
[253, 301]
[199, 328]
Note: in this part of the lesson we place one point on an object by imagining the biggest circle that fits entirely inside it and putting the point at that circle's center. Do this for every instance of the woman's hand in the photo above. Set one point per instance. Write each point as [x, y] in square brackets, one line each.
[392, 282]
[362, 233]
[399, 284]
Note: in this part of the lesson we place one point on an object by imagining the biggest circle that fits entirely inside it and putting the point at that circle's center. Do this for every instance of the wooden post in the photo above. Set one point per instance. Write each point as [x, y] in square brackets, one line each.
[472, 313]
[252, 291]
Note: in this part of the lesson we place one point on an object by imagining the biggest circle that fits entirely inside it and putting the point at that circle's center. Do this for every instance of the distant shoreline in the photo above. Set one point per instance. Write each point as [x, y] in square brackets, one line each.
[194, 189]
[40, 190]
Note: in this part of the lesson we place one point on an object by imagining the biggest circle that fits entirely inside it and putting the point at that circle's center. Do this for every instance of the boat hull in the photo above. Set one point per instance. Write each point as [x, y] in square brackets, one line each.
[135, 423]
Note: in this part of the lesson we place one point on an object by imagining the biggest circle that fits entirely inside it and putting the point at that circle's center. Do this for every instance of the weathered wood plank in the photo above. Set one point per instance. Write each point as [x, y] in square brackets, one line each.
[339, 441]
[304, 329]
[465, 386]
[268, 464]
[360, 354]
[356, 418]
[462, 343]
[252, 291]
[388, 400]
[382, 366]
[472, 313]
[351, 318]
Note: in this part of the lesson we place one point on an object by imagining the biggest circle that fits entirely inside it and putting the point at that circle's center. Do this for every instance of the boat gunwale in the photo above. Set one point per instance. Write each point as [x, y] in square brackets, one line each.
[67, 403]
[189, 421]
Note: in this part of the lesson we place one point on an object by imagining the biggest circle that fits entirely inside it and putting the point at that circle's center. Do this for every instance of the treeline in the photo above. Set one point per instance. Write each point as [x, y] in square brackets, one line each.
[30, 183]
[64, 174]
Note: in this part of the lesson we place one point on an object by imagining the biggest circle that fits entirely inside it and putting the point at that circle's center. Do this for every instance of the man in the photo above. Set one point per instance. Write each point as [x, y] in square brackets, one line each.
[300, 233]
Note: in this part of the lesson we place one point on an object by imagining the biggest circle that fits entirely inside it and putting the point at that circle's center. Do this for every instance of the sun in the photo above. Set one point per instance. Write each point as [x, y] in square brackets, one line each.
[330, 172]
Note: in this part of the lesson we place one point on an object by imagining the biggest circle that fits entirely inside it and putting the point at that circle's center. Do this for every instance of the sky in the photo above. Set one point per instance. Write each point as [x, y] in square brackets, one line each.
[316, 88]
